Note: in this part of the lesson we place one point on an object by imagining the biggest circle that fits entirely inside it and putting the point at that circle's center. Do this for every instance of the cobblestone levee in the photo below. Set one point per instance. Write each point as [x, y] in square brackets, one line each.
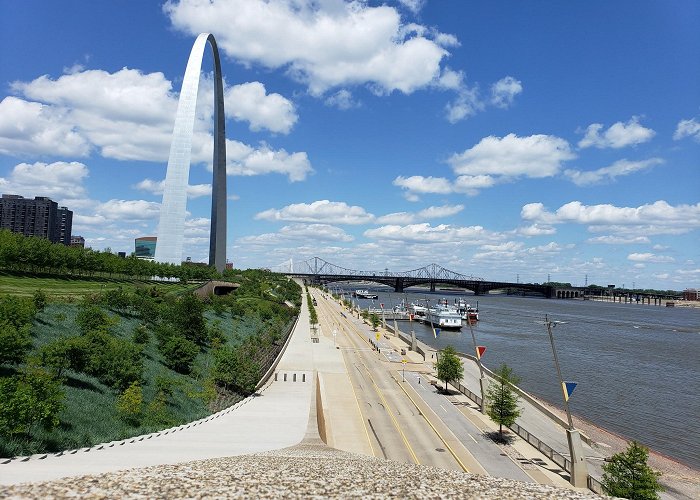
[302, 471]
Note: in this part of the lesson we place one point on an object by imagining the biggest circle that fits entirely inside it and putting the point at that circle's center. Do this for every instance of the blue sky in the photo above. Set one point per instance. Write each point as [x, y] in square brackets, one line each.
[507, 140]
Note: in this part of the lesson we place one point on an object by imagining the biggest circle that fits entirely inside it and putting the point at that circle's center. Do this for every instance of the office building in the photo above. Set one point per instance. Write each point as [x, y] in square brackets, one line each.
[39, 217]
[145, 247]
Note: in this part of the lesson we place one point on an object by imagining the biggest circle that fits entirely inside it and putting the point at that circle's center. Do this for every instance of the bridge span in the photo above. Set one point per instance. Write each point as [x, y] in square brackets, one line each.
[320, 271]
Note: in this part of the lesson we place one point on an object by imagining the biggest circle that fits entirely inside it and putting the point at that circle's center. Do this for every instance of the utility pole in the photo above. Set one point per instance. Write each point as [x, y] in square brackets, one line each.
[579, 468]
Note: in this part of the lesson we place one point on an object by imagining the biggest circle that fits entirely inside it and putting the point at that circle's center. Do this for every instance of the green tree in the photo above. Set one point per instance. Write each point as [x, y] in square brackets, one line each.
[449, 367]
[374, 319]
[627, 474]
[179, 353]
[502, 401]
[130, 404]
[187, 316]
[15, 342]
[31, 397]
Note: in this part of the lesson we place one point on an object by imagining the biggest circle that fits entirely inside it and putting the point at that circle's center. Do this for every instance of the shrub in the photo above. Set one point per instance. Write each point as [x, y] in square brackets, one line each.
[39, 299]
[180, 353]
[15, 342]
[129, 404]
[92, 318]
[16, 311]
[140, 335]
[31, 397]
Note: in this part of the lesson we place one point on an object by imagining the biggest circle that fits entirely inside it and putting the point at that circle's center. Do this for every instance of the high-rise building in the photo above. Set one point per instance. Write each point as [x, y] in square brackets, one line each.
[77, 241]
[145, 247]
[40, 217]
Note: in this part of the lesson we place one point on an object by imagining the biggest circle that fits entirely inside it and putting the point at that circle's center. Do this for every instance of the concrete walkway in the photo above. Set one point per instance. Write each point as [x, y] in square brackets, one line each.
[275, 418]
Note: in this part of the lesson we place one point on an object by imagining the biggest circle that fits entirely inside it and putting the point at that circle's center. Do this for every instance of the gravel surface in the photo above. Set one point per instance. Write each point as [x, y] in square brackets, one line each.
[302, 471]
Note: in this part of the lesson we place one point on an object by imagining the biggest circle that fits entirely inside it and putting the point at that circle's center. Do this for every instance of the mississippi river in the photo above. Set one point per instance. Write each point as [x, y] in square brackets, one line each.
[637, 366]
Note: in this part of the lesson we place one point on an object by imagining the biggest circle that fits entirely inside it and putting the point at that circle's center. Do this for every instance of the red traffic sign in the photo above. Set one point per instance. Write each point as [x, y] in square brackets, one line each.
[480, 350]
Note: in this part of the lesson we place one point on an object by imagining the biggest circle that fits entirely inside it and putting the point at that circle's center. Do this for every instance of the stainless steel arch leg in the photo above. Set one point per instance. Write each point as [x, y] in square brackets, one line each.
[172, 213]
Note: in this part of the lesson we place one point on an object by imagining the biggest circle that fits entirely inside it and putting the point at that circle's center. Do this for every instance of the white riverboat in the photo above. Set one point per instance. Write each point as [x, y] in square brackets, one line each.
[442, 316]
[365, 294]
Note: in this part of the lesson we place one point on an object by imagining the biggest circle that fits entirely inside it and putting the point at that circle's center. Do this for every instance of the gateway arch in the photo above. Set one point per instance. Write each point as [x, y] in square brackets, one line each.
[172, 212]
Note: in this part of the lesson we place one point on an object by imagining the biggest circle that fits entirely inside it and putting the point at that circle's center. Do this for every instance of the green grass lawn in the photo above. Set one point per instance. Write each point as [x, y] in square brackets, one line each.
[67, 287]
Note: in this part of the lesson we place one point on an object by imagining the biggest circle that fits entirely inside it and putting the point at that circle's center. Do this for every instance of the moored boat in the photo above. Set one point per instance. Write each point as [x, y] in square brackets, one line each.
[467, 311]
[442, 316]
[365, 294]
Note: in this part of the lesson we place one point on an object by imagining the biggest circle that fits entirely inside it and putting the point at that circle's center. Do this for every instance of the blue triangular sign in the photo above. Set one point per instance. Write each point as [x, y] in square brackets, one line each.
[570, 386]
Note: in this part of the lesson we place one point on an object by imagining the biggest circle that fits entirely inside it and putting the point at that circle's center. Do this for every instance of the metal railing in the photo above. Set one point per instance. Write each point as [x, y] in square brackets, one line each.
[556, 457]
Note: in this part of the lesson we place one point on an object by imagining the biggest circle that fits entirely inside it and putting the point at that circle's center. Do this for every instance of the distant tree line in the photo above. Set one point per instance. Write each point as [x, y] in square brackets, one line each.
[33, 254]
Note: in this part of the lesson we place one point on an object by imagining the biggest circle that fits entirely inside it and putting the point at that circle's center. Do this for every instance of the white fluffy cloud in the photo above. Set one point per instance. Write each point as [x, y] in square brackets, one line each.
[427, 213]
[534, 156]
[617, 136]
[655, 218]
[245, 160]
[156, 187]
[503, 92]
[420, 184]
[35, 129]
[687, 128]
[322, 44]
[128, 210]
[322, 211]
[425, 233]
[250, 102]
[296, 232]
[128, 115]
[620, 240]
[617, 169]
[59, 180]
[342, 100]
[466, 104]
[649, 257]
[414, 6]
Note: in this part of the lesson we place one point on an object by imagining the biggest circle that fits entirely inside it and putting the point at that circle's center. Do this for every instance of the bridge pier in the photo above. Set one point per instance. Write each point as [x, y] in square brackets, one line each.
[432, 286]
[398, 287]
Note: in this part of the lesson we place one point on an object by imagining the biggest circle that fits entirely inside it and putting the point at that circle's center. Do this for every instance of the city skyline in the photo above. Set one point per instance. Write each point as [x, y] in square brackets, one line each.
[496, 139]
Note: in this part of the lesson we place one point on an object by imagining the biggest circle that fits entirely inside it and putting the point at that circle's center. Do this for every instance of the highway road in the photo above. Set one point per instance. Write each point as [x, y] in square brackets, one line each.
[396, 429]
[407, 420]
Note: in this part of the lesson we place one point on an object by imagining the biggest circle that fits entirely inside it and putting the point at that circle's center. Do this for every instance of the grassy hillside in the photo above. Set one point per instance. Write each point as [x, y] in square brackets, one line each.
[249, 325]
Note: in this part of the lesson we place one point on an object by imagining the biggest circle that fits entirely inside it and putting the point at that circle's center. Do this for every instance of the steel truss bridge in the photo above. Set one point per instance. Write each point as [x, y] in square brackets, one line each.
[319, 271]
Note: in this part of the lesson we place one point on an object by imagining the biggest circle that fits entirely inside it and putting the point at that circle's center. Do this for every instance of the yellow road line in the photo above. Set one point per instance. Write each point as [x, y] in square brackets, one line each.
[464, 467]
[386, 405]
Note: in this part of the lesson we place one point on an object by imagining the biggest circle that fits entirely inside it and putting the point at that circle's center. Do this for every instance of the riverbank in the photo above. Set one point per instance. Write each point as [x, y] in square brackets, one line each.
[679, 479]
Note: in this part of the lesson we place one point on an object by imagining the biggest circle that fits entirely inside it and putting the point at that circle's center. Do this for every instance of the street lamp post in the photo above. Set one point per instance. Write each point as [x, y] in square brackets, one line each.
[579, 468]
[482, 379]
